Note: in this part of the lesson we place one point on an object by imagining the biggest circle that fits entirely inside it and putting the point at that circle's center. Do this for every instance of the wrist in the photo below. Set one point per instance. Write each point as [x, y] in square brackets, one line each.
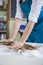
[11, 39]
[22, 41]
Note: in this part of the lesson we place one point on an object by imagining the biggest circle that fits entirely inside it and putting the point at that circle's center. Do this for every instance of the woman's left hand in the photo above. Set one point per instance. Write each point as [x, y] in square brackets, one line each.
[17, 45]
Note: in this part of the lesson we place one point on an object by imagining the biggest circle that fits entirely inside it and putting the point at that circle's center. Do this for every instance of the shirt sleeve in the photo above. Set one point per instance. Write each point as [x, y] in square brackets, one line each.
[18, 10]
[35, 10]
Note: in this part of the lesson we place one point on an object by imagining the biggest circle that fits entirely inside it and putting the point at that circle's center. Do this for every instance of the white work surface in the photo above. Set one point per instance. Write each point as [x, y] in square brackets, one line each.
[12, 57]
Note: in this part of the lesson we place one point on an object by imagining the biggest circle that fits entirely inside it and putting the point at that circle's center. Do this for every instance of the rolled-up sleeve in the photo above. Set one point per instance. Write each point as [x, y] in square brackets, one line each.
[18, 10]
[35, 10]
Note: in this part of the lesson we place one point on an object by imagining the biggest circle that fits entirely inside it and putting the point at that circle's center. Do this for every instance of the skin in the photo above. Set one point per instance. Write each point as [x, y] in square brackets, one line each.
[25, 35]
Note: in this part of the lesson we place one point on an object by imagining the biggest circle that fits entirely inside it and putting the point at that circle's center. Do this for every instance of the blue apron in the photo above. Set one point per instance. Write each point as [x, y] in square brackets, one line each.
[26, 6]
[36, 35]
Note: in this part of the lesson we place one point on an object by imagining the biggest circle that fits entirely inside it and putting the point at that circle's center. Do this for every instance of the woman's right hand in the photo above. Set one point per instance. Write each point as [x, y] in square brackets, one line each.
[7, 41]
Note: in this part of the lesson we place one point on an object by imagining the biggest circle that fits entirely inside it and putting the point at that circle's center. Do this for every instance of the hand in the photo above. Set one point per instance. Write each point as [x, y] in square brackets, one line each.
[7, 41]
[17, 45]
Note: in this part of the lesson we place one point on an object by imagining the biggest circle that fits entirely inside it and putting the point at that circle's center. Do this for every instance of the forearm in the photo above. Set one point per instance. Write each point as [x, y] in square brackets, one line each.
[17, 24]
[27, 31]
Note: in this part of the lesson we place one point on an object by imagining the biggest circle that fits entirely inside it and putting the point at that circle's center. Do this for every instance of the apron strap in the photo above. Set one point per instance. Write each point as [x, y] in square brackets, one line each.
[20, 1]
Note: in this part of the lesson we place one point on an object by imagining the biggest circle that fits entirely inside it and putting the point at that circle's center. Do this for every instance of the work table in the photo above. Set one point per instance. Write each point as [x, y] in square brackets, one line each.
[30, 57]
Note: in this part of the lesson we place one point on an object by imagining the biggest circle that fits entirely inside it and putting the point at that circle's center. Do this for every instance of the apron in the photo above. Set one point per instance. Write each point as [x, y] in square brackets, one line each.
[36, 35]
[26, 6]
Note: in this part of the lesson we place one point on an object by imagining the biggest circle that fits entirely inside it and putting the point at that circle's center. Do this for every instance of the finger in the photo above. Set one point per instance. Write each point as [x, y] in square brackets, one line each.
[11, 47]
[19, 46]
[14, 46]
